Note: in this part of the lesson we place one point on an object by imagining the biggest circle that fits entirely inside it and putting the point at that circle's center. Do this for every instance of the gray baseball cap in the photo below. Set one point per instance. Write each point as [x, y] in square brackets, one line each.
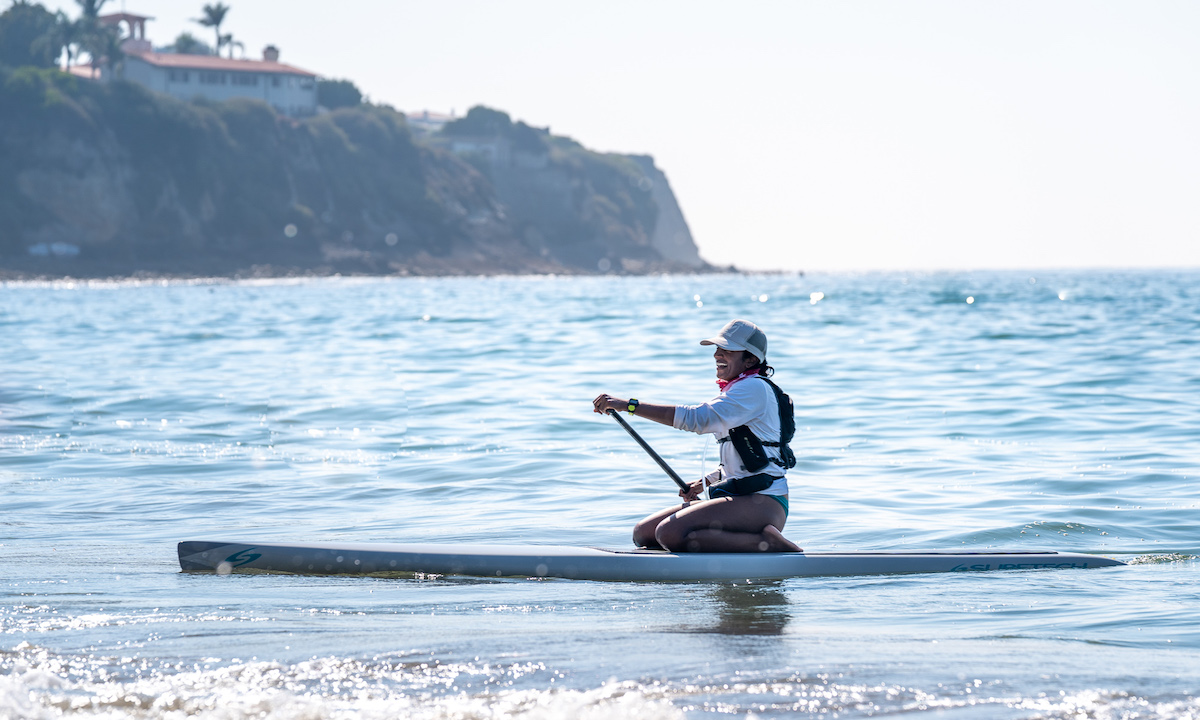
[741, 335]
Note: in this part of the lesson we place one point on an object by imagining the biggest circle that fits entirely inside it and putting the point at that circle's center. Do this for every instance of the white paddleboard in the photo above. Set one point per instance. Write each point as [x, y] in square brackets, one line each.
[584, 563]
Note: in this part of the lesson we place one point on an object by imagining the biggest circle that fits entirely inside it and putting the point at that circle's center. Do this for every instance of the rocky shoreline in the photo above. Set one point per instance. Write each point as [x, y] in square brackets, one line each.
[57, 269]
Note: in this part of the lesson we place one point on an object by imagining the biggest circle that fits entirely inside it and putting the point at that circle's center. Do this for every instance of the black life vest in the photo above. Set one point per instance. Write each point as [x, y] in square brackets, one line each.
[750, 448]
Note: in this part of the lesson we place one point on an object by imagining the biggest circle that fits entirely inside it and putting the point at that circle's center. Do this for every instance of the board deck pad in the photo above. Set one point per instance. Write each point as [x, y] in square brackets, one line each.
[586, 563]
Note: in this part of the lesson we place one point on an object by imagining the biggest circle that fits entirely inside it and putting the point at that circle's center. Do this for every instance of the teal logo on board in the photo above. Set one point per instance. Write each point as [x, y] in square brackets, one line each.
[242, 557]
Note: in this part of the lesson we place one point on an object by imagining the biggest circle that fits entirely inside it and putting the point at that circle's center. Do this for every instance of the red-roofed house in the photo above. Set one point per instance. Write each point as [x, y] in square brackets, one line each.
[288, 89]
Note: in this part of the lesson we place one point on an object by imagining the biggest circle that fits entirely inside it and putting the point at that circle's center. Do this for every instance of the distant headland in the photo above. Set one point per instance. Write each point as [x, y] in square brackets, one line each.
[267, 170]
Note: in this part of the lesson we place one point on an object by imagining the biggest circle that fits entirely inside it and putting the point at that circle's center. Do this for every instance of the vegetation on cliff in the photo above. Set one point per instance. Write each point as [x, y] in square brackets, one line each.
[112, 178]
[133, 177]
[30, 35]
[26, 33]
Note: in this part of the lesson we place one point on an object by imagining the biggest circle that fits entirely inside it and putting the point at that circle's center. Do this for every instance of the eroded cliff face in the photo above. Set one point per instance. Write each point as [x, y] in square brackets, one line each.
[81, 188]
[114, 179]
[672, 237]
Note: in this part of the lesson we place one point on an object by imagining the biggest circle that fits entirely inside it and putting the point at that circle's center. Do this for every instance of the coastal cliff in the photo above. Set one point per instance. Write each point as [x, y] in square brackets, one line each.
[113, 179]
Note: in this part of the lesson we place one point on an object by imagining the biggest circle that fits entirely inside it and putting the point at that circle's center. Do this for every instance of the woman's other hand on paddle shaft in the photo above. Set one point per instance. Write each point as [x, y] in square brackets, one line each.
[693, 491]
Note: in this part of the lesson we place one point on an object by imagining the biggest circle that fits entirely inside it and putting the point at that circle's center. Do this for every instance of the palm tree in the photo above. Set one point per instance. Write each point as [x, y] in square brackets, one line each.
[106, 49]
[66, 36]
[89, 36]
[89, 11]
[228, 40]
[214, 15]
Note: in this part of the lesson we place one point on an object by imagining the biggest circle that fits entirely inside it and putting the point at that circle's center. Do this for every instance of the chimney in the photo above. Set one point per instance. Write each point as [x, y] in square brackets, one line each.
[270, 54]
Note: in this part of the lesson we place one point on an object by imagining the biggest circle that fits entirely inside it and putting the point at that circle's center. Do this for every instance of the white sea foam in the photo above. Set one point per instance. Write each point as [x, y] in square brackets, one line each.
[38, 686]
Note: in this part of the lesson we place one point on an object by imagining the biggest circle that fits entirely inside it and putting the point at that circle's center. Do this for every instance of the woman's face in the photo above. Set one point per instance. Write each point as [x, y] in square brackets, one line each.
[731, 363]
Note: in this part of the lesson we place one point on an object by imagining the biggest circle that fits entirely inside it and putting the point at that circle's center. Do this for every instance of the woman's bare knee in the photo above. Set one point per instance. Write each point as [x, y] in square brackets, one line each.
[667, 537]
[644, 537]
[676, 536]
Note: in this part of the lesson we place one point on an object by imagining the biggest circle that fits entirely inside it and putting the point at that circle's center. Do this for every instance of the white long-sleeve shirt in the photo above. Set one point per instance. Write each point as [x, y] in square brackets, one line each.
[748, 401]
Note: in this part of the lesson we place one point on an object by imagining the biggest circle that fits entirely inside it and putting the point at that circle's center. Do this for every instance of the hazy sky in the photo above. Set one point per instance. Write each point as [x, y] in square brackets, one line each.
[815, 135]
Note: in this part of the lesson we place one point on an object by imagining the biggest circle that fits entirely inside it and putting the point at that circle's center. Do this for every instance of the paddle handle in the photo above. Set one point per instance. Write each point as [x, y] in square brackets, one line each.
[650, 451]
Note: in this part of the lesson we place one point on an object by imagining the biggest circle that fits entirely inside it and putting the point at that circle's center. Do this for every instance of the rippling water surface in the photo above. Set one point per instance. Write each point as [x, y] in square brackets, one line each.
[984, 410]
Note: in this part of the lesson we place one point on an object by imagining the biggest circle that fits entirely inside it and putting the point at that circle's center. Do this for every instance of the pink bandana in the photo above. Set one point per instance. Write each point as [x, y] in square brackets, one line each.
[726, 383]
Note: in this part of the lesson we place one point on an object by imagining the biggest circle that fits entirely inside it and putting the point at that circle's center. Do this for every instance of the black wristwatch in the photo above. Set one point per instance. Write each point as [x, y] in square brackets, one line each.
[633, 405]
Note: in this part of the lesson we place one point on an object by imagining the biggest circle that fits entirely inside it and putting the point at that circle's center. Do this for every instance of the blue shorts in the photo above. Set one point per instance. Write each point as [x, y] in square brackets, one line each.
[782, 500]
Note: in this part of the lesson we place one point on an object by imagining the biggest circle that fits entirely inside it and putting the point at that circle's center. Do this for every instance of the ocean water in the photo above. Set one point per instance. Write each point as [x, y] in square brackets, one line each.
[1019, 410]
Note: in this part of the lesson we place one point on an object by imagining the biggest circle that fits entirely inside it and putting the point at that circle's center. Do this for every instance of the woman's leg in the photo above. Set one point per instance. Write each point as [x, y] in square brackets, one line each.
[746, 523]
[643, 532]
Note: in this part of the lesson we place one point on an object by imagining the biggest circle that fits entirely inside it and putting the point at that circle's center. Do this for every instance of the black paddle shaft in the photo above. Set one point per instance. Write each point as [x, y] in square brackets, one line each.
[649, 450]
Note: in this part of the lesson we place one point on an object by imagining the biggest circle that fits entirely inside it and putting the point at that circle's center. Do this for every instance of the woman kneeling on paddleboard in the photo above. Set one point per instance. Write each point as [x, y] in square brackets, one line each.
[748, 502]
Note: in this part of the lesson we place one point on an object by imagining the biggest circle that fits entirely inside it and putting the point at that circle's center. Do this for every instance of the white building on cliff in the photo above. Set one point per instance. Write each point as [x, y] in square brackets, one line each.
[288, 89]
